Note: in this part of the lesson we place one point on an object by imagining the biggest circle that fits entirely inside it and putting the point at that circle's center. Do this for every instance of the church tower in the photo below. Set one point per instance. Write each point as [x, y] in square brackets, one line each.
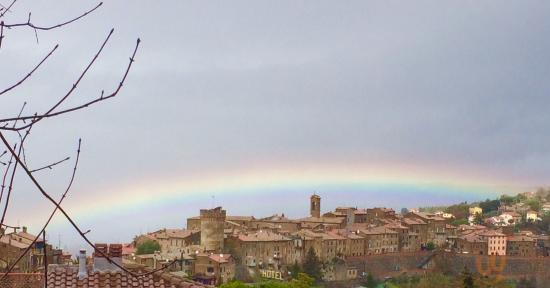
[315, 206]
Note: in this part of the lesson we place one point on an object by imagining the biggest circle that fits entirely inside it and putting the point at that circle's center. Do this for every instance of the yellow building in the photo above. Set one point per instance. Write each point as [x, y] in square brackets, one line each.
[531, 216]
[496, 242]
[475, 210]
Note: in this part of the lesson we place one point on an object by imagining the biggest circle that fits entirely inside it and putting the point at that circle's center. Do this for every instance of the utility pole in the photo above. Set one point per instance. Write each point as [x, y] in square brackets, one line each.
[45, 262]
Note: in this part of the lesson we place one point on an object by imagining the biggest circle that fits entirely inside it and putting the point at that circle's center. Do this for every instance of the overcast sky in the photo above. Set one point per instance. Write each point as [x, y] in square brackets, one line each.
[231, 85]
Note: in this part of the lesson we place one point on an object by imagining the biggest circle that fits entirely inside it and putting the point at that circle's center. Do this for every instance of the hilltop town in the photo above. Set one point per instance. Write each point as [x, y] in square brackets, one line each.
[347, 246]
[351, 243]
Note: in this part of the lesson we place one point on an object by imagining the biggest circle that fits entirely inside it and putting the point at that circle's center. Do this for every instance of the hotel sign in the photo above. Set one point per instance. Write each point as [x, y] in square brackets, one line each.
[271, 274]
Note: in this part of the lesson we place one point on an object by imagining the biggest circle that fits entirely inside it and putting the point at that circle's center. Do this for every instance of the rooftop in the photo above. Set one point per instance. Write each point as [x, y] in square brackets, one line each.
[66, 276]
[262, 235]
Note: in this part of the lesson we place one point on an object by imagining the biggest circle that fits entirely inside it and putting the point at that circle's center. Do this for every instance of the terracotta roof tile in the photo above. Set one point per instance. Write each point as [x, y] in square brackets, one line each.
[262, 235]
[23, 280]
[66, 277]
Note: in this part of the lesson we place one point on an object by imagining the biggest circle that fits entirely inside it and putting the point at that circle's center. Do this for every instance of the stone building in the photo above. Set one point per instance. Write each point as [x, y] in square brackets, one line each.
[496, 242]
[327, 245]
[280, 223]
[520, 245]
[340, 270]
[471, 243]
[214, 269]
[13, 244]
[436, 231]
[212, 229]
[418, 227]
[340, 212]
[380, 240]
[194, 223]
[333, 245]
[315, 223]
[244, 221]
[451, 234]
[10, 249]
[359, 215]
[377, 213]
[407, 241]
[263, 249]
[171, 240]
[355, 243]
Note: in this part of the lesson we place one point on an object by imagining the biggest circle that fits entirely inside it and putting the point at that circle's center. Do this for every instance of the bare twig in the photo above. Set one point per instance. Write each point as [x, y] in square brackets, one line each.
[11, 157]
[12, 178]
[31, 25]
[6, 9]
[5, 177]
[49, 114]
[17, 158]
[71, 90]
[30, 73]
[19, 133]
[50, 166]
[1, 32]
[71, 221]
[10, 188]
[51, 215]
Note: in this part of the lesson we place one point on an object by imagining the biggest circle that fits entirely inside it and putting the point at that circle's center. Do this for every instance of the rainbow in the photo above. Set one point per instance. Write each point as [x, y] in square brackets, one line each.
[408, 180]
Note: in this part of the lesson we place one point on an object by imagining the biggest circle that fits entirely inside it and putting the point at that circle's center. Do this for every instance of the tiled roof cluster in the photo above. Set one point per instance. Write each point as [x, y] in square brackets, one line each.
[262, 235]
[23, 280]
[172, 233]
[66, 277]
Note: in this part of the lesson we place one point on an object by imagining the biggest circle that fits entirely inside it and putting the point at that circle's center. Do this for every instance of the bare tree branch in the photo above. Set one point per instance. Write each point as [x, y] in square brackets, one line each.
[71, 221]
[50, 166]
[12, 178]
[30, 73]
[51, 215]
[35, 119]
[1, 32]
[6, 176]
[4, 10]
[37, 27]
[17, 158]
[102, 97]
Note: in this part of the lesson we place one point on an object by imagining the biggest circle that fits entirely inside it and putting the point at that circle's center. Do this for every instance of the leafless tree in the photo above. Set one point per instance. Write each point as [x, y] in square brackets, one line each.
[14, 131]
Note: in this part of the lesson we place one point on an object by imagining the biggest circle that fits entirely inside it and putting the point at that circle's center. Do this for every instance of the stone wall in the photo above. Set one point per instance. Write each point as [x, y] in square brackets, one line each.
[392, 264]
[504, 266]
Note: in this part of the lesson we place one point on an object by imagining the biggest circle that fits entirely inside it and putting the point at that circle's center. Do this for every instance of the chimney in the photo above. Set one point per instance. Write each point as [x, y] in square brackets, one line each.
[102, 264]
[24, 229]
[82, 272]
[115, 252]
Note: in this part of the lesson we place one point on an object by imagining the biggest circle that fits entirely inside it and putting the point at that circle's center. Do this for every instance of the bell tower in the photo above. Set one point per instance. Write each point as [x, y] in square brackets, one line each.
[315, 206]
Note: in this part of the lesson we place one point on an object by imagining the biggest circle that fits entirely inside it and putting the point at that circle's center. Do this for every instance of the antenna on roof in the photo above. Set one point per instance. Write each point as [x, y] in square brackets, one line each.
[212, 204]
